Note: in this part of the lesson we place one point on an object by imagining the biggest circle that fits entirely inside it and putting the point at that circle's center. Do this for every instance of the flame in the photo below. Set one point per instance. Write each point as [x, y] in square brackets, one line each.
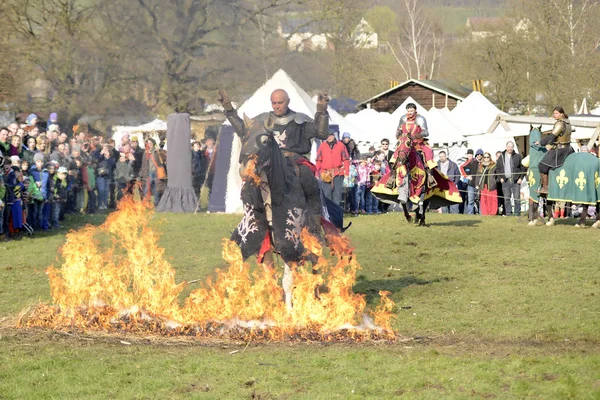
[249, 172]
[115, 278]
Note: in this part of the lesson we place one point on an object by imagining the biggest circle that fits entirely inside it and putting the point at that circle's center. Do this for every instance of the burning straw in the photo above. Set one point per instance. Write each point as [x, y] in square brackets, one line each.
[115, 278]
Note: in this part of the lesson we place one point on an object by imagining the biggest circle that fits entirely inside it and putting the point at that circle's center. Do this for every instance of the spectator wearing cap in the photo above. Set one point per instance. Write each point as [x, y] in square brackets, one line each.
[53, 119]
[333, 164]
[15, 161]
[468, 171]
[351, 147]
[32, 120]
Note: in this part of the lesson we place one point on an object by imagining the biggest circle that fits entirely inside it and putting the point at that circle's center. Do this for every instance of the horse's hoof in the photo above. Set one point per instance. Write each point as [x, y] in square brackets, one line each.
[532, 223]
[550, 223]
[578, 226]
[409, 219]
[596, 225]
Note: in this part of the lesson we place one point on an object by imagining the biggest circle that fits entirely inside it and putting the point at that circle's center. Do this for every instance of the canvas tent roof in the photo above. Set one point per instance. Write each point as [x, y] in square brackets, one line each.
[475, 114]
[442, 131]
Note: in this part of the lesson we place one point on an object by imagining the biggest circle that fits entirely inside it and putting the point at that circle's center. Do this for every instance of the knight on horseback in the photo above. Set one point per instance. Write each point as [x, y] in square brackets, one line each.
[293, 132]
[414, 180]
[558, 143]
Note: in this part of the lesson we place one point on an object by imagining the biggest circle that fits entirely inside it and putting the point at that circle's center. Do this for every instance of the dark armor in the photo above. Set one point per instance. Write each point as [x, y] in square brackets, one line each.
[293, 133]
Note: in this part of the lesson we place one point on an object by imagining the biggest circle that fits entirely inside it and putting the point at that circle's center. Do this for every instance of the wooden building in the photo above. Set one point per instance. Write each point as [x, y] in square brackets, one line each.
[428, 93]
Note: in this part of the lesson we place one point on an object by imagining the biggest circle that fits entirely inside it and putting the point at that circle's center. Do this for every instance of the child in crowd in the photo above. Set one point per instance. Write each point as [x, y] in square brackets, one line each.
[350, 184]
[40, 176]
[371, 202]
[361, 183]
[35, 200]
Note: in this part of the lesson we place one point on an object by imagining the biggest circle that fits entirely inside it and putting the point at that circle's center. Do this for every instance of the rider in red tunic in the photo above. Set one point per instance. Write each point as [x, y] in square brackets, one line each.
[414, 126]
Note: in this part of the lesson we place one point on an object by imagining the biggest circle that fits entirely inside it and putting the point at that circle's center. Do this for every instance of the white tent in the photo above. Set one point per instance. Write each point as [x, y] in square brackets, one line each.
[401, 110]
[442, 131]
[152, 128]
[375, 124]
[474, 115]
[259, 103]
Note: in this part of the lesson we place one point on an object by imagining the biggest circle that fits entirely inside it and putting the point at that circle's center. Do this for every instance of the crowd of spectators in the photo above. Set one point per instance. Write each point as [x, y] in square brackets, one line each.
[48, 174]
[489, 185]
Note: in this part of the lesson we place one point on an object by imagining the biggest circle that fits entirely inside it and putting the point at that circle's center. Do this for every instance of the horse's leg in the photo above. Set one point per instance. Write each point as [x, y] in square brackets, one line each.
[288, 283]
[581, 222]
[531, 213]
[550, 213]
[597, 223]
[406, 213]
[422, 210]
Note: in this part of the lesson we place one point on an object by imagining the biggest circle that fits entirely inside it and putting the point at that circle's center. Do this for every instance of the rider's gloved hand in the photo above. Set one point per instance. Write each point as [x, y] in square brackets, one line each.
[225, 101]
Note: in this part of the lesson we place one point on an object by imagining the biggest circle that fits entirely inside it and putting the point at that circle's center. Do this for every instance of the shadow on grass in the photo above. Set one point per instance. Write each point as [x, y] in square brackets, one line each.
[371, 288]
[469, 223]
[74, 222]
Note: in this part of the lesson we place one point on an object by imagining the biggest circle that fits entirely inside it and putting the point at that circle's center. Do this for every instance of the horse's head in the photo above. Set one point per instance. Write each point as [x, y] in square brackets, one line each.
[258, 135]
[403, 147]
[535, 135]
[261, 150]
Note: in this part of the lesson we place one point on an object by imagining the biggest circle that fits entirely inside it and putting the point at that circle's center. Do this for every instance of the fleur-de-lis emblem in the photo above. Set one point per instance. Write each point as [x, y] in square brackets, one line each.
[531, 178]
[562, 179]
[597, 180]
[581, 181]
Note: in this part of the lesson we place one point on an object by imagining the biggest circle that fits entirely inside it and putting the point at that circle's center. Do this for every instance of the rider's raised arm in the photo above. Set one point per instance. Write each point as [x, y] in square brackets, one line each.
[231, 114]
[319, 127]
[236, 122]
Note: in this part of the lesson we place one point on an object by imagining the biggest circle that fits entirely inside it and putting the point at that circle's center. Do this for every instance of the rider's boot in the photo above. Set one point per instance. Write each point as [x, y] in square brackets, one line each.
[544, 188]
[431, 182]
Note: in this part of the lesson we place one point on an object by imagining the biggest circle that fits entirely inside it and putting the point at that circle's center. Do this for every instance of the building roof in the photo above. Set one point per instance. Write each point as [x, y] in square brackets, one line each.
[429, 84]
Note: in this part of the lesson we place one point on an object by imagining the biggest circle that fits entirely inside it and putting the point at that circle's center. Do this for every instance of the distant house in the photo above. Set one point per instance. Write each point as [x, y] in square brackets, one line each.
[306, 34]
[428, 93]
[482, 27]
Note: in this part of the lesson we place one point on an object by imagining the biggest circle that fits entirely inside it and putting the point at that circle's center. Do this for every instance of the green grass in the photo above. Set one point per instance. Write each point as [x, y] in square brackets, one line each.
[494, 309]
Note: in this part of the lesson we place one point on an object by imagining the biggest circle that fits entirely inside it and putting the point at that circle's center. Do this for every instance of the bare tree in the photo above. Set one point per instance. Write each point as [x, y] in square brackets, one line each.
[418, 46]
[62, 45]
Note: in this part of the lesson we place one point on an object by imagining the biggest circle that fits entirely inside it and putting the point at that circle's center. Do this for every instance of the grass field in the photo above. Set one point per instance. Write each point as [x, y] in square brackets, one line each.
[488, 307]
